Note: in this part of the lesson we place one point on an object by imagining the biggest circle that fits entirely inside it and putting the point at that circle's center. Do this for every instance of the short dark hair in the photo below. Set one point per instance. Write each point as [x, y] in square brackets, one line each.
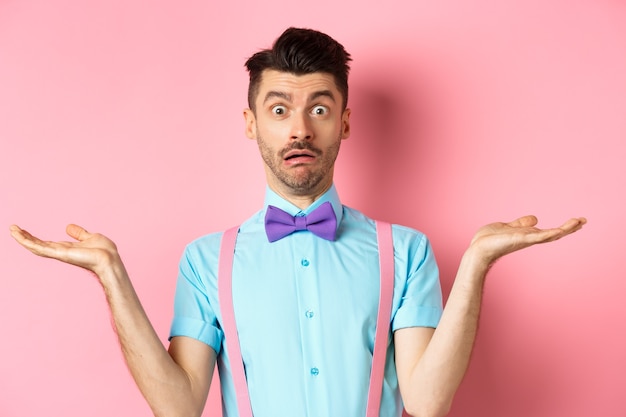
[300, 51]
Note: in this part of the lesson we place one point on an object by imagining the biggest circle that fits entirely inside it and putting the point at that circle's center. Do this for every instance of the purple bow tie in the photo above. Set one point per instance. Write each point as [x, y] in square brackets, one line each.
[322, 222]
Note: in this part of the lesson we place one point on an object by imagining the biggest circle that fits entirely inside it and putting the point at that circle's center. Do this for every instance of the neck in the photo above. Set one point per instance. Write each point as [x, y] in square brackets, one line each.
[302, 201]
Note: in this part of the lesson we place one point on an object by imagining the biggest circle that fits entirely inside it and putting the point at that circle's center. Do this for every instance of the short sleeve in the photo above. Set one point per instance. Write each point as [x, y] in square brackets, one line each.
[195, 299]
[420, 304]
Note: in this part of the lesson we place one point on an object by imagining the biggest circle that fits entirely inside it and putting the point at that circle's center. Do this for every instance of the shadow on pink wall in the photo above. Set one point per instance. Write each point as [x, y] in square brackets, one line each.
[398, 161]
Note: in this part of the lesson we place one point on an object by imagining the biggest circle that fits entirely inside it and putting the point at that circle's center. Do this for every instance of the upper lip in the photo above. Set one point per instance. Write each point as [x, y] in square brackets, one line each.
[298, 152]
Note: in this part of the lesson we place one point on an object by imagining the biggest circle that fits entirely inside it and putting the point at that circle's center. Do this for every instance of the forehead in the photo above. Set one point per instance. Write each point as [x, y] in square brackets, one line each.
[297, 86]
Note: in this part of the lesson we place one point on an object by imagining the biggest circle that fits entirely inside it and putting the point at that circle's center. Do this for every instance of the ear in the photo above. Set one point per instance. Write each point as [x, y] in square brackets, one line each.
[345, 124]
[250, 119]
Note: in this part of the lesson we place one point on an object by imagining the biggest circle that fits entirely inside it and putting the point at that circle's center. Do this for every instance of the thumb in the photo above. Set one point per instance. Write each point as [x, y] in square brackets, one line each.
[525, 221]
[77, 232]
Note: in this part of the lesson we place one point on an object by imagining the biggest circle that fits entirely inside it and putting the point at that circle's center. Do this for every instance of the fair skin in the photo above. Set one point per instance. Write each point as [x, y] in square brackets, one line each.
[298, 124]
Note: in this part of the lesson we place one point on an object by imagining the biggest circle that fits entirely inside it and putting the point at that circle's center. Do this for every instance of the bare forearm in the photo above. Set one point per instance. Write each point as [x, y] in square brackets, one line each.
[438, 374]
[436, 369]
[171, 387]
[164, 384]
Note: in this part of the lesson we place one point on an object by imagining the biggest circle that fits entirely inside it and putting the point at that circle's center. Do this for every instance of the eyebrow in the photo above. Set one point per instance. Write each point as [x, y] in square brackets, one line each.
[287, 97]
[323, 93]
[277, 94]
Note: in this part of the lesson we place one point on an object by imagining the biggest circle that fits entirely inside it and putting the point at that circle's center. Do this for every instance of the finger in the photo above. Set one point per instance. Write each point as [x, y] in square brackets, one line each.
[550, 235]
[547, 235]
[77, 232]
[22, 236]
[14, 229]
[30, 242]
[573, 225]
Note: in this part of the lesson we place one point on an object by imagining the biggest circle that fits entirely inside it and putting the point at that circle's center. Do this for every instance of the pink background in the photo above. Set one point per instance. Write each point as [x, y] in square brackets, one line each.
[126, 117]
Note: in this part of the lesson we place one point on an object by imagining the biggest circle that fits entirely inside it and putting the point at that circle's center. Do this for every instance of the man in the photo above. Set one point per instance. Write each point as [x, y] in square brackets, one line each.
[305, 306]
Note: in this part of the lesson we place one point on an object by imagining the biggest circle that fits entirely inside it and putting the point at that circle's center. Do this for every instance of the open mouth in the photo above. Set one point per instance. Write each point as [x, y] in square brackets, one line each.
[299, 155]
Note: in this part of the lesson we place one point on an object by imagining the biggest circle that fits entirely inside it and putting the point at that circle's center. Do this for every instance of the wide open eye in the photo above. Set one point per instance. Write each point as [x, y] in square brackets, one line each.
[279, 110]
[320, 110]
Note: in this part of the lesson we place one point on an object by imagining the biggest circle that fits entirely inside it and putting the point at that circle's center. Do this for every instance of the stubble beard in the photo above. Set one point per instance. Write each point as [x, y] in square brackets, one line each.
[305, 181]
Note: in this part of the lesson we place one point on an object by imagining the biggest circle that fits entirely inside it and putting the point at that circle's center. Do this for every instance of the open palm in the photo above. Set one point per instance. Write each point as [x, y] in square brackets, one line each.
[498, 239]
[91, 251]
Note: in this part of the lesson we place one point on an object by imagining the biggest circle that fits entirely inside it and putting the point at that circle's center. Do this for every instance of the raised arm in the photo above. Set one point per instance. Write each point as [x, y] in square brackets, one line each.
[174, 383]
[431, 363]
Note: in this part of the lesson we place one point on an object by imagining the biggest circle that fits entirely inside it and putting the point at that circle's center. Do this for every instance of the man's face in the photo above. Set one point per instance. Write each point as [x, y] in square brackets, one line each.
[298, 124]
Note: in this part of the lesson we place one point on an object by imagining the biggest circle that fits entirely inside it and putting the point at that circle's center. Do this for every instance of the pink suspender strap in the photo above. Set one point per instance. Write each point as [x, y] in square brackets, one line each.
[231, 338]
[387, 274]
[229, 327]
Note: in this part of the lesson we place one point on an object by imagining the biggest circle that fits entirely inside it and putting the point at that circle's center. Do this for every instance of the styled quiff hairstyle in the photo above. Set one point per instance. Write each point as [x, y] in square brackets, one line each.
[300, 51]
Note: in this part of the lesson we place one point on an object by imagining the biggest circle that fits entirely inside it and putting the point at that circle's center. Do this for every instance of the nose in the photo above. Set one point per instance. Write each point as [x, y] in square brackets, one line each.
[301, 128]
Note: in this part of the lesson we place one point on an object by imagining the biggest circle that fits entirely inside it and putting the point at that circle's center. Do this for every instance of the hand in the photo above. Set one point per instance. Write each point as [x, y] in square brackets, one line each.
[92, 251]
[498, 239]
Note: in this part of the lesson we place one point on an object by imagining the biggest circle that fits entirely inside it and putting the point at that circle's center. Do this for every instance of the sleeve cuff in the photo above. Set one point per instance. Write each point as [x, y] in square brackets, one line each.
[199, 330]
[416, 316]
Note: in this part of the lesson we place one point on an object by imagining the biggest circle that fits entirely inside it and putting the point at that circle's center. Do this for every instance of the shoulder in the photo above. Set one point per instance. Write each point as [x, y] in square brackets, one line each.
[203, 242]
[403, 236]
[406, 235]
[210, 243]
[202, 253]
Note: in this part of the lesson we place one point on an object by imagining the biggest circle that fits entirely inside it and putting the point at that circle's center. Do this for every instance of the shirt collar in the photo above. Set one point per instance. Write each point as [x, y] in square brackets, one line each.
[273, 199]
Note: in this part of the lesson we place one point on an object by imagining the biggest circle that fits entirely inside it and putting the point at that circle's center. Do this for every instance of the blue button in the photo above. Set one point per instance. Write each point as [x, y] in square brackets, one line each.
[309, 314]
[315, 371]
[304, 262]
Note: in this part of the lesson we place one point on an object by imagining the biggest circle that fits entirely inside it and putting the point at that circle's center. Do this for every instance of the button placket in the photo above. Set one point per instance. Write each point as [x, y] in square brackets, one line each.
[306, 276]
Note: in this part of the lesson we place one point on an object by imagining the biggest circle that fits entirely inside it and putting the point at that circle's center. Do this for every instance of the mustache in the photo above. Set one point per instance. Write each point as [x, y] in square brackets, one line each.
[301, 145]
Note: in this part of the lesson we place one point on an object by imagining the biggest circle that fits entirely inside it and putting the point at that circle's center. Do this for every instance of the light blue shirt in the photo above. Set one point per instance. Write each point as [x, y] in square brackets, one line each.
[306, 311]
